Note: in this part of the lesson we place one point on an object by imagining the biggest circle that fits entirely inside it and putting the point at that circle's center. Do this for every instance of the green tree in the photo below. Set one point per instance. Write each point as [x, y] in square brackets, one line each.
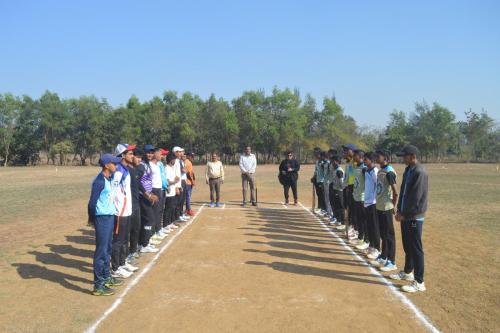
[10, 107]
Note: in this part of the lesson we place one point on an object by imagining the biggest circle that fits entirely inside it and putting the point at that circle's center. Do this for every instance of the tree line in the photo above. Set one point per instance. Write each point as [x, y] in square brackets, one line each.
[52, 130]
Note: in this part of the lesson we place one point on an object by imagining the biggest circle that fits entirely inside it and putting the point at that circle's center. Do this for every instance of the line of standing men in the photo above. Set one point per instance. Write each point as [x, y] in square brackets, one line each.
[366, 197]
[135, 202]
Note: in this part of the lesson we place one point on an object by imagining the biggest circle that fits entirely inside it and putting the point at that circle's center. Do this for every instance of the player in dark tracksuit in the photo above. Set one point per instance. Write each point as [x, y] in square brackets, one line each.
[135, 219]
[411, 208]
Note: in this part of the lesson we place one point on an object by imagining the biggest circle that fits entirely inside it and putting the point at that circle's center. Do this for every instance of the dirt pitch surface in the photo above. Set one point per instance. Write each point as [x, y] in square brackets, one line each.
[266, 269]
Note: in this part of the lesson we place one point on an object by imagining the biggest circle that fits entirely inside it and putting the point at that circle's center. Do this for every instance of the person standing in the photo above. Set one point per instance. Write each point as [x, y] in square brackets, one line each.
[148, 200]
[121, 183]
[317, 184]
[135, 218]
[387, 198]
[248, 164]
[370, 206]
[214, 176]
[411, 208]
[289, 174]
[336, 194]
[154, 157]
[101, 215]
[348, 151]
[170, 194]
[358, 195]
[190, 181]
[180, 170]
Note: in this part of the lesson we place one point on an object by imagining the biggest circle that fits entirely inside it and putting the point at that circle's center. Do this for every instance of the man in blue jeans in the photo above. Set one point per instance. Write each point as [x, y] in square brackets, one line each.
[411, 208]
[102, 210]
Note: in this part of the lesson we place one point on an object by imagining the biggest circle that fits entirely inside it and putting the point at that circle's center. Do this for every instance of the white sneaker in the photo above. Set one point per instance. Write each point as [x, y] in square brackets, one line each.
[341, 227]
[414, 287]
[182, 219]
[187, 217]
[354, 241]
[166, 230]
[362, 245]
[129, 267]
[389, 267]
[154, 241]
[155, 237]
[162, 234]
[373, 255]
[402, 276]
[173, 226]
[149, 249]
[121, 273]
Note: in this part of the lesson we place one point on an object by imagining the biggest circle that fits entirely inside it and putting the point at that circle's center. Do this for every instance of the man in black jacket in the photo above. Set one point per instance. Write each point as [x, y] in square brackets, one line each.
[289, 173]
[411, 208]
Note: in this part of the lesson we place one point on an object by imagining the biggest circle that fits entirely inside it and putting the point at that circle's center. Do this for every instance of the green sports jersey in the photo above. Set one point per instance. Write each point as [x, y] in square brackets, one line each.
[358, 193]
[337, 178]
[385, 177]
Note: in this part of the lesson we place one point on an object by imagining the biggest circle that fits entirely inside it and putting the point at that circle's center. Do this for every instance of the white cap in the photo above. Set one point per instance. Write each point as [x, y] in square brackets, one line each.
[123, 147]
[177, 148]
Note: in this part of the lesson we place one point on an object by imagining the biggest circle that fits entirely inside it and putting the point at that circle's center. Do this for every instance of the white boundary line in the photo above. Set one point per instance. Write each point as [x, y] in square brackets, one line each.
[141, 274]
[405, 300]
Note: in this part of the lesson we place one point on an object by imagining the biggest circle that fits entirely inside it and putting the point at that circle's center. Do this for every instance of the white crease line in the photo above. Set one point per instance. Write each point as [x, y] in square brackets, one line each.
[139, 276]
[406, 301]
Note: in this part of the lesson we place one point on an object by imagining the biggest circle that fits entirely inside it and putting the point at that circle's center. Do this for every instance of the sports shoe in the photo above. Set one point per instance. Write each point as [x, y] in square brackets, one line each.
[340, 227]
[254, 204]
[373, 254]
[162, 234]
[174, 226]
[155, 236]
[186, 217]
[354, 241]
[190, 212]
[121, 273]
[402, 276]
[212, 205]
[154, 241]
[136, 255]
[414, 287]
[149, 249]
[362, 245]
[113, 282]
[183, 219]
[388, 267]
[217, 204]
[286, 202]
[104, 291]
[333, 221]
[378, 262]
[322, 213]
[130, 267]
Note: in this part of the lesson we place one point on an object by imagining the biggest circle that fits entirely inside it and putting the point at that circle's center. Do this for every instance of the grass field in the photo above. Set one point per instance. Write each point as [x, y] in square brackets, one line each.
[46, 255]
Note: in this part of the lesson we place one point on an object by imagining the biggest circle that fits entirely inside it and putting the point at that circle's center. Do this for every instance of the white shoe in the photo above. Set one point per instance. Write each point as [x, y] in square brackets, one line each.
[187, 217]
[173, 226]
[354, 241]
[414, 287]
[121, 273]
[378, 262]
[162, 234]
[154, 241]
[182, 219]
[389, 267]
[373, 255]
[129, 267]
[166, 230]
[402, 276]
[341, 227]
[155, 237]
[149, 249]
[362, 245]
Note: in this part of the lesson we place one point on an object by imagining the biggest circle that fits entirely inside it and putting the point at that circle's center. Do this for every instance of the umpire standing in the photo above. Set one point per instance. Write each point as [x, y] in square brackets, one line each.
[288, 176]
[411, 208]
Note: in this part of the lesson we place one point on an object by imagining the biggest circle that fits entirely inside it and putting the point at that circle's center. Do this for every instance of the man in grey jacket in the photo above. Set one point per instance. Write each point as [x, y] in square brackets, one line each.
[411, 208]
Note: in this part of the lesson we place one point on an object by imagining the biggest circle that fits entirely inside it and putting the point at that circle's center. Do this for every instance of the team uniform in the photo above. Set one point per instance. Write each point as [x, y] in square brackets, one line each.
[371, 212]
[336, 194]
[318, 186]
[358, 208]
[101, 211]
[324, 179]
[147, 214]
[385, 178]
[135, 218]
[170, 198]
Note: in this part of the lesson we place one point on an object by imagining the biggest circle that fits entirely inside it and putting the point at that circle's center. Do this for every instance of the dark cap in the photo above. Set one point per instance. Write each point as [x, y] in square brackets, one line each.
[148, 148]
[359, 152]
[336, 158]
[190, 153]
[108, 158]
[408, 150]
[349, 146]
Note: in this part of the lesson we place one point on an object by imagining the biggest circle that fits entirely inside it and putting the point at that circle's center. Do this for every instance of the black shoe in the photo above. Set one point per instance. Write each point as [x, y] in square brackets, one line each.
[254, 204]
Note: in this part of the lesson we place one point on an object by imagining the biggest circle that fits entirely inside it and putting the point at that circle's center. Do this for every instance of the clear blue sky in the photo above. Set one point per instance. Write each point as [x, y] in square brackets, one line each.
[376, 55]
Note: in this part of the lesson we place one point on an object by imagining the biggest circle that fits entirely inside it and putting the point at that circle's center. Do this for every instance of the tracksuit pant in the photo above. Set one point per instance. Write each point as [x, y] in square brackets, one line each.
[359, 218]
[157, 209]
[147, 221]
[319, 194]
[372, 226]
[134, 228]
[326, 198]
[348, 203]
[411, 232]
[104, 225]
[181, 198]
[119, 243]
[387, 234]
[338, 205]
[169, 213]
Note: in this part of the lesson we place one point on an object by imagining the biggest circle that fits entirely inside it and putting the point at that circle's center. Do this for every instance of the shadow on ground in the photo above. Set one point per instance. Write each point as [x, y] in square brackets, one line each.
[53, 265]
[285, 234]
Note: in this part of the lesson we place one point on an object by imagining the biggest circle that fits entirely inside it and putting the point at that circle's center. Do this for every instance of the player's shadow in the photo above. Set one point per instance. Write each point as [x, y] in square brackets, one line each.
[58, 263]
[322, 272]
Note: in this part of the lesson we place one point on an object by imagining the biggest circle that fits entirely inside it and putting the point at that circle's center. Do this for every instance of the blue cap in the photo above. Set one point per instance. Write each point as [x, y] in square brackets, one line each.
[349, 146]
[108, 158]
[148, 148]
